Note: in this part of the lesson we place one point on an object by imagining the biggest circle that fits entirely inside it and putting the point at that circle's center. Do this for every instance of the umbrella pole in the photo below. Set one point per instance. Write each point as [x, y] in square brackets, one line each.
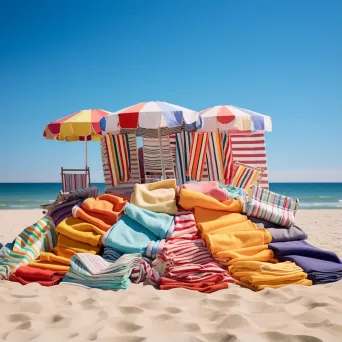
[86, 153]
[161, 154]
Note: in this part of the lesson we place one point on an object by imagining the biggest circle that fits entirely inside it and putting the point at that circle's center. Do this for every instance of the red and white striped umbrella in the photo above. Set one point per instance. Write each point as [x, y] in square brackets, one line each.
[228, 118]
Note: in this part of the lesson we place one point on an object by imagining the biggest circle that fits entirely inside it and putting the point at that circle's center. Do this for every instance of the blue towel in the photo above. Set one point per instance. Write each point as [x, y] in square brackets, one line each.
[156, 223]
[134, 231]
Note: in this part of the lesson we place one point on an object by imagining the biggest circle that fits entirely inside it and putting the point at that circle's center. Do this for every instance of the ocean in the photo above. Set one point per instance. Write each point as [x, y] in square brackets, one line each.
[32, 195]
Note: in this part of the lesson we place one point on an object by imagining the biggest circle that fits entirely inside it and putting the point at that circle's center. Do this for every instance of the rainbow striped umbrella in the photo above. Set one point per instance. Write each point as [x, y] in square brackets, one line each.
[151, 116]
[83, 125]
[226, 118]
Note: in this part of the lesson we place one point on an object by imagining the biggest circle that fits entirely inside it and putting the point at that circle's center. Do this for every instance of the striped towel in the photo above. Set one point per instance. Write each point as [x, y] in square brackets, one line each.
[227, 157]
[245, 176]
[110, 254]
[270, 206]
[93, 271]
[40, 237]
[197, 156]
[185, 226]
[141, 272]
[214, 157]
[91, 191]
[73, 181]
[183, 144]
[119, 159]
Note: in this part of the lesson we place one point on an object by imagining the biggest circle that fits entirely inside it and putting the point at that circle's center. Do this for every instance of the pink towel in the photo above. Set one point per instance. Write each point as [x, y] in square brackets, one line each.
[210, 188]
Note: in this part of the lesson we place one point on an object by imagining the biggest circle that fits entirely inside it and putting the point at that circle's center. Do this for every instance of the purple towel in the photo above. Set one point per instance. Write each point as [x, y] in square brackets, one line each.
[302, 248]
[321, 266]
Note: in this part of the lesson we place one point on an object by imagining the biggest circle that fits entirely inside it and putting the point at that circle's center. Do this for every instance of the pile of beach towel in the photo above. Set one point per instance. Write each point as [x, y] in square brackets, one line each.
[197, 236]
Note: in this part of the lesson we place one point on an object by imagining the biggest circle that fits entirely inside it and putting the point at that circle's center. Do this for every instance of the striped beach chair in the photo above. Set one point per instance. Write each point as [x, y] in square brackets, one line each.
[74, 179]
[153, 161]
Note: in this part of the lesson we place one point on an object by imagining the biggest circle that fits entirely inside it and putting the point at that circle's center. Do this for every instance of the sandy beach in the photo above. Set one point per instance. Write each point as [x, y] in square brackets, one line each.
[141, 313]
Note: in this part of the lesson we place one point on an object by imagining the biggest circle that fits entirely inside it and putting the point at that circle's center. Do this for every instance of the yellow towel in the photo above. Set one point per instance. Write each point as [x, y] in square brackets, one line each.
[81, 231]
[303, 282]
[190, 199]
[258, 275]
[255, 253]
[159, 197]
[226, 228]
[208, 220]
[48, 265]
[237, 239]
[52, 258]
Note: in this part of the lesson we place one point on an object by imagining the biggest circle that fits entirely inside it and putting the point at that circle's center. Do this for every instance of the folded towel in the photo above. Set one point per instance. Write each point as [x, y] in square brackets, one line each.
[211, 220]
[184, 227]
[156, 223]
[281, 234]
[137, 230]
[93, 271]
[67, 247]
[52, 266]
[81, 231]
[302, 248]
[320, 265]
[102, 211]
[128, 236]
[25, 275]
[41, 236]
[209, 188]
[319, 271]
[50, 257]
[110, 254]
[189, 200]
[158, 197]
[259, 275]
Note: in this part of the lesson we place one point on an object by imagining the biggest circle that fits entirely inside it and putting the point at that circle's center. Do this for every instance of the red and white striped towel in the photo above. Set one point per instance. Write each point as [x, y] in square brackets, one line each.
[185, 226]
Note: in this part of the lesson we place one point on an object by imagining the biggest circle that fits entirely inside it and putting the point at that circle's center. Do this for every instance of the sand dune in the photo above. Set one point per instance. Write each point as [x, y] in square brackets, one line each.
[141, 313]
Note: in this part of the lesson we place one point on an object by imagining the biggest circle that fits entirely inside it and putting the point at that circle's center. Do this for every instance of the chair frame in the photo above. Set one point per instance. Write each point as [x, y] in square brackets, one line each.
[64, 171]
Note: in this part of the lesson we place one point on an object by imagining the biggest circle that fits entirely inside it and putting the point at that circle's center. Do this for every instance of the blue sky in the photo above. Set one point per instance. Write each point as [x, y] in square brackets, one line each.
[279, 58]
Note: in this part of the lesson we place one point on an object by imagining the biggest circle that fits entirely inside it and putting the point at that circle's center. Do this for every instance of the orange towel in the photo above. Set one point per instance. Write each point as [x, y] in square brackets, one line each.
[81, 231]
[52, 258]
[67, 247]
[102, 211]
[190, 199]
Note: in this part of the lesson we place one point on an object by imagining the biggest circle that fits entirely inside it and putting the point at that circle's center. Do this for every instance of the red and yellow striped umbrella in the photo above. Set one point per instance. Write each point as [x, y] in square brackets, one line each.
[83, 125]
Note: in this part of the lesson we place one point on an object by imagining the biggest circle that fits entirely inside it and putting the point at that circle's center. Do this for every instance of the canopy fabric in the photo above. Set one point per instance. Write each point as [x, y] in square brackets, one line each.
[80, 126]
[231, 118]
[151, 115]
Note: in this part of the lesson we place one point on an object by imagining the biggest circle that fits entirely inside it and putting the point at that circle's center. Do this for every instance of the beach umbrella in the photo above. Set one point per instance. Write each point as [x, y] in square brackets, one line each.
[151, 119]
[83, 125]
[228, 118]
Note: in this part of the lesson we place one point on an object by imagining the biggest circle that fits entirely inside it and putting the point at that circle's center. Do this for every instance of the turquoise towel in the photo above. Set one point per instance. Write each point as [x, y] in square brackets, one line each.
[134, 231]
[233, 191]
[156, 223]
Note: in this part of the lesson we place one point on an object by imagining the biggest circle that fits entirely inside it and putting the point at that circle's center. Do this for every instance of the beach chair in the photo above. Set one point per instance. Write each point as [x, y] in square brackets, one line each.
[73, 179]
[153, 160]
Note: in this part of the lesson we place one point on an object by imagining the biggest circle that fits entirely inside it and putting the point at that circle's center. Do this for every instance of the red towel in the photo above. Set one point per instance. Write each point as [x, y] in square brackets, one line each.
[26, 274]
[205, 287]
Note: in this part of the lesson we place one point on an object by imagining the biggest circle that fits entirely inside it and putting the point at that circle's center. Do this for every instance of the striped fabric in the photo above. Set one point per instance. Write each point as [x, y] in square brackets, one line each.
[214, 157]
[197, 155]
[245, 177]
[141, 272]
[185, 226]
[249, 148]
[110, 254]
[93, 271]
[118, 152]
[82, 193]
[73, 181]
[124, 189]
[227, 157]
[182, 142]
[153, 161]
[270, 206]
[40, 237]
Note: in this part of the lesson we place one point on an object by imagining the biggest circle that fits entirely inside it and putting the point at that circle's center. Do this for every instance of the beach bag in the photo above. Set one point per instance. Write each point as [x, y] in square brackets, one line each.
[270, 206]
